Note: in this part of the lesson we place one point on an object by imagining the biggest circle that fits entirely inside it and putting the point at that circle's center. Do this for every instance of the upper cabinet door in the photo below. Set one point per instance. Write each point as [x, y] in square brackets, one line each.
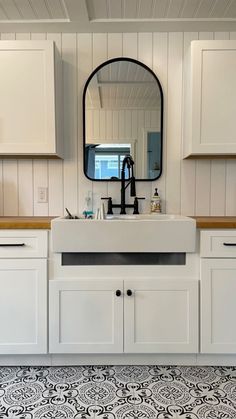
[28, 124]
[210, 98]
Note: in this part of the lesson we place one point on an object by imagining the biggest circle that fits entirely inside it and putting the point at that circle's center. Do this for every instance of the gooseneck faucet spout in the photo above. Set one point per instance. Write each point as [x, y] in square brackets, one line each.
[127, 161]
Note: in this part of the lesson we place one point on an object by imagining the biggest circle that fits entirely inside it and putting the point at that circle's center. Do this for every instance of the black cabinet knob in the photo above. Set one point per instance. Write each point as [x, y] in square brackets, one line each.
[118, 293]
[129, 293]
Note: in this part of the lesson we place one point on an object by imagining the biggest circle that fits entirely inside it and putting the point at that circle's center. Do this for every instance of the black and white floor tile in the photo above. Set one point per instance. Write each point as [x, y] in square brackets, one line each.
[118, 392]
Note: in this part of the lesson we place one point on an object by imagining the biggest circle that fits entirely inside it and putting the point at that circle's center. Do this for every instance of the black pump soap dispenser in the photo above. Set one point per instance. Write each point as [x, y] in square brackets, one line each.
[156, 203]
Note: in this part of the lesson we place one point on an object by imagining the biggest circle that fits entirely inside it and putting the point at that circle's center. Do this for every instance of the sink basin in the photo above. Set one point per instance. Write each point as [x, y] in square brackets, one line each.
[125, 233]
[142, 217]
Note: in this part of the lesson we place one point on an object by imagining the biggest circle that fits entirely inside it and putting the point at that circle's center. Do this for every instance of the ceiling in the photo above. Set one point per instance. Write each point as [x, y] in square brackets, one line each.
[116, 15]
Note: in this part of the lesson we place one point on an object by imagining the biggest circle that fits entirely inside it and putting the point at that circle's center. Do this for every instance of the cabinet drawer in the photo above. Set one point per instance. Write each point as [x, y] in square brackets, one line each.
[218, 243]
[23, 244]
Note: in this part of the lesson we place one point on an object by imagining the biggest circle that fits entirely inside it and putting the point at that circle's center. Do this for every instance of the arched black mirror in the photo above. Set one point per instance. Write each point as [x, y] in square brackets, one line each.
[122, 114]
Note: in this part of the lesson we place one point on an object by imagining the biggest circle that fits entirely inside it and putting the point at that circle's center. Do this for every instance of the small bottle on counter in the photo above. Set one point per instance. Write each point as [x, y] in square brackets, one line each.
[156, 202]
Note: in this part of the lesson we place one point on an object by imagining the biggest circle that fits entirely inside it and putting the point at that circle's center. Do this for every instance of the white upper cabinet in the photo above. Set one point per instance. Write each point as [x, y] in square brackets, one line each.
[210, 99]
[28, 121]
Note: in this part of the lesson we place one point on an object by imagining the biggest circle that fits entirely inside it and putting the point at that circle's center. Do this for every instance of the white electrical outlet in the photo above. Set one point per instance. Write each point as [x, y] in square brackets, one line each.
[42, 194]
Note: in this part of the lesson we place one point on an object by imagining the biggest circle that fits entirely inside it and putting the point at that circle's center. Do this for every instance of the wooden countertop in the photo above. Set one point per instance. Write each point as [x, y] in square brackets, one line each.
[25, 222]
[45, 222]
[215, 222]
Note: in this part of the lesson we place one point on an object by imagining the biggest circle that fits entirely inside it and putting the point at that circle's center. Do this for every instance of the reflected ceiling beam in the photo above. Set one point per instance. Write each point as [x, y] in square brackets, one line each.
[95, 93]
[126, 83]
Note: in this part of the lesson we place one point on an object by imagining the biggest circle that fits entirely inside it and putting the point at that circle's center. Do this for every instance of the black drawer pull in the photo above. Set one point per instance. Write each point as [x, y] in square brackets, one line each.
[129, 293]
[229, 244]
[118, 293]
[12, 244]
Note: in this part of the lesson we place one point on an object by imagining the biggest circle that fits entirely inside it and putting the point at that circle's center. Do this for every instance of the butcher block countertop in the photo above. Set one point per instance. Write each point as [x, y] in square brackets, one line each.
[45, 222]
[25, 222]
[215, 222]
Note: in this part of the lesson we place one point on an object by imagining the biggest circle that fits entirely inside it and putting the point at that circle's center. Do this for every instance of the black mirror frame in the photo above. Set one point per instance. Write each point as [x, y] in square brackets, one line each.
[84, 116]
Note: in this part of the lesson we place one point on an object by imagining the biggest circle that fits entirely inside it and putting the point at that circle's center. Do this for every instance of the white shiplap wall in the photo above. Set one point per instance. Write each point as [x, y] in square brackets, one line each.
[202, 187]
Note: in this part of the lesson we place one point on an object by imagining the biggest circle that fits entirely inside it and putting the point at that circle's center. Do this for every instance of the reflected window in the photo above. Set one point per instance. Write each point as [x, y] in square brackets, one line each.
[104, 161]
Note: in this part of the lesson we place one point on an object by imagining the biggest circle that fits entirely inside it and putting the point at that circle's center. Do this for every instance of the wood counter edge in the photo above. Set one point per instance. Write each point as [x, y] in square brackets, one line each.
[44, 222]
[34, 223]
[205, 222]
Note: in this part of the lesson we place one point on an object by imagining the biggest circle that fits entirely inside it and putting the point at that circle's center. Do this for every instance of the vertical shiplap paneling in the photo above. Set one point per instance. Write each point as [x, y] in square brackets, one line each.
[188, 167]
[203, 170]
[109, 124]
[115, 125]
[218, 187]
[130, 45]
[84, 64]
[114, 45]
[121, 119]
[114, 50]
[25, 187]
[145, 55]
[230, 194]
[102, 124]
[96, 124]
[25, 171]
[160, 63]
[203, 186]
[134, 136]
[40, 167]
[218, 169]
[10, 171]
[69, 76]
[99, 56]
[189, 187]
[10, 187]
[174, 126]
[55, 167]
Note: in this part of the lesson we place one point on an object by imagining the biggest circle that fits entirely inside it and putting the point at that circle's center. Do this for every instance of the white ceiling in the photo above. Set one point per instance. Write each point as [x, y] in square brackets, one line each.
[116, 15]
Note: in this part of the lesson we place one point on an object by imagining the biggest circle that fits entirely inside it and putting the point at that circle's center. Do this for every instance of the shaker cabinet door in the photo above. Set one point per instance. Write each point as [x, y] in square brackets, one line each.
[218, 306]
[28, 98]
[23, 306]
[86, 316]
[161, 316]
[210, 107]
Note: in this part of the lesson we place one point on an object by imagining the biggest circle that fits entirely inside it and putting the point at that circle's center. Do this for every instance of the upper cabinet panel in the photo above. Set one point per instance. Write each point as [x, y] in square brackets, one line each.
[28, 124]
[210, 98]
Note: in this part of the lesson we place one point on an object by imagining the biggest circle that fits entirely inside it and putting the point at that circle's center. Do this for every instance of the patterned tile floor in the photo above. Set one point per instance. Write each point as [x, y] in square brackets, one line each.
[118, 392]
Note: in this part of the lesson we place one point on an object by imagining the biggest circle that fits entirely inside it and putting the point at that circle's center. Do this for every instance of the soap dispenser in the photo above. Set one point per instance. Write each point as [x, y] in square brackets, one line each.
[156, 202]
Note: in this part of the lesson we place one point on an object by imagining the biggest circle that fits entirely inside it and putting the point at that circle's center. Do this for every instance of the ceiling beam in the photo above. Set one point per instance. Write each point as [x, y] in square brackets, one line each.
[77, 11]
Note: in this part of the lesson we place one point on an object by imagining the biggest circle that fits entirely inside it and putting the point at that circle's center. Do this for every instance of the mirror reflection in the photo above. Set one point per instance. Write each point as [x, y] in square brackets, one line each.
[123, 112]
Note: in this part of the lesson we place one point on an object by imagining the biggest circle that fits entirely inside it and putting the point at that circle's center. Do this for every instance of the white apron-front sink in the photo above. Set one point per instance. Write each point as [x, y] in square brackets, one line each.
[120, 233]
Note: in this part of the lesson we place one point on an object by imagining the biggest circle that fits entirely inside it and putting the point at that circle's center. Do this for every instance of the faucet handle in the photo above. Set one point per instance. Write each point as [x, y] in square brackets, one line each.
[109, 205]
[136, 211]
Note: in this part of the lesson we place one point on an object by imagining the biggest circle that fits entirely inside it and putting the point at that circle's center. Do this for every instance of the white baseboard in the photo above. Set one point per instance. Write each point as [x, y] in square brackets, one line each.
[130, 359]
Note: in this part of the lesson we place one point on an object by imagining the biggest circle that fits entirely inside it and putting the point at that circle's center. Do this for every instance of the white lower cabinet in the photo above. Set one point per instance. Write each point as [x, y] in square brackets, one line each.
[218, 307]
[115, 316]
[86, 316]
[218, 291]
[161, 316]
[23, 306]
